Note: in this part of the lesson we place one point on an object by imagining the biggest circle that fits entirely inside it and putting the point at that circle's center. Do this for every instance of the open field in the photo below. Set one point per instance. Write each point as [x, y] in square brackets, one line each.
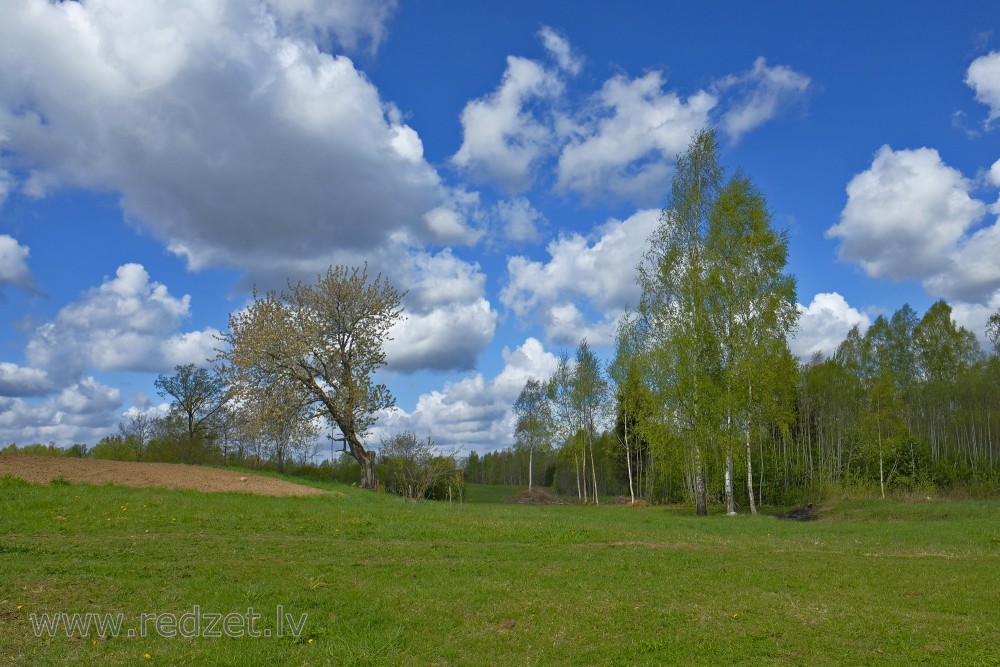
[385, 582]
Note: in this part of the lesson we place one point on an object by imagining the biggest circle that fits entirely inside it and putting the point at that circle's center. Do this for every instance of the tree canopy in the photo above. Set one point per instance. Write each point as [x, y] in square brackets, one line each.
[325, 340]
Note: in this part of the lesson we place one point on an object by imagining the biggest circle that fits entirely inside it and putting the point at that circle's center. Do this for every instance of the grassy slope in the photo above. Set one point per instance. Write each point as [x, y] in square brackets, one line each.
[387, 582]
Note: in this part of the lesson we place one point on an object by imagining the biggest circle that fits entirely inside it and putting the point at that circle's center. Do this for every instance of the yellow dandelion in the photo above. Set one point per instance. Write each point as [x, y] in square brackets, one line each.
[146, 656]
[20, 606]
[736, 615]
[310, 641]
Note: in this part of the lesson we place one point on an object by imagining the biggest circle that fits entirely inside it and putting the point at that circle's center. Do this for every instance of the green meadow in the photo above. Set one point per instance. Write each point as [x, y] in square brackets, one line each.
[369, 579]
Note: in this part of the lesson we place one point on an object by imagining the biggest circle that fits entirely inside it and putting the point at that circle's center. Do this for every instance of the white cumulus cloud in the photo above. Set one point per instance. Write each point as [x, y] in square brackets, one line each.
[14, 269]
[474, 413]
[625, 145]
[210, 119]
[448, 318]
[561, 50]
[760, 94]
[351, 22]
[824, 324]
[910, 215]
[128, 323]
[502, 139]
[84, 411]
[595, 273]
[518, 220]
[983, 77]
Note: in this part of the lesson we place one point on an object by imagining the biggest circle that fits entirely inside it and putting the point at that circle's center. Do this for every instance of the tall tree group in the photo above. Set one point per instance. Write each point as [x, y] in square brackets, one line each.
[715, 314]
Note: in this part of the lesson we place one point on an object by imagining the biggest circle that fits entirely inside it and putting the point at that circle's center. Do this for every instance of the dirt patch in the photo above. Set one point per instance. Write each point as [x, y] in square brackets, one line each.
[537, 497]
[44, 469]
[804, 513]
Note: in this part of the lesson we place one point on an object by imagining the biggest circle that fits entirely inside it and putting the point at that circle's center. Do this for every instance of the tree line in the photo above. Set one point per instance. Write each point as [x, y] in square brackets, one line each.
[703, 384]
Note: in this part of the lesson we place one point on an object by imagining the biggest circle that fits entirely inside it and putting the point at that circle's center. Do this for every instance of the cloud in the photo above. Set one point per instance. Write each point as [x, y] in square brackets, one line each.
[14, 265]
[21, 381]
[974, 316]
[582, 274]
[126, 324]
[622, 141]
[502, 139]
[458, 221]
[448, 319]
[518, 220]
[474, 413]
[625, 145]
[351, 22]
[824, 324]
[210, 120]
[560, 49]
[910, 216]
[761, 94]
[82, 412]
[449, 337]
[983, 77]
[6, 183]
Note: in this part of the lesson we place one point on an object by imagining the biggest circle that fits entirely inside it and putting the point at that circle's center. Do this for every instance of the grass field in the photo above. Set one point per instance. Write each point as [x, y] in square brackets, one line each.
[385, 582]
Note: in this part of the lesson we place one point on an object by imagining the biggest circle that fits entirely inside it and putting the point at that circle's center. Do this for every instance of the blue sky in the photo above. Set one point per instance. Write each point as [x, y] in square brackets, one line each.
[505, 163]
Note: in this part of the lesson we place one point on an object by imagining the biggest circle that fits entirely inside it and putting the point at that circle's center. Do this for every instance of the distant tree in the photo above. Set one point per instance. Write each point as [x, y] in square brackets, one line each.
[78, 451]
[473, 470]
[590, 400]
[279, 415]
[137, 429]
[197, 395]
[326, 340]
[993, 331]
[534, 421]
[629, 386]
[113, 448]
[566, 421]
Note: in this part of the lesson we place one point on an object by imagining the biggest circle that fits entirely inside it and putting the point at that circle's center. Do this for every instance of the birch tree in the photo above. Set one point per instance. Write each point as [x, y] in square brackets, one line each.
[752, 307]
[674, 304]
[589, 398]
[534, 421]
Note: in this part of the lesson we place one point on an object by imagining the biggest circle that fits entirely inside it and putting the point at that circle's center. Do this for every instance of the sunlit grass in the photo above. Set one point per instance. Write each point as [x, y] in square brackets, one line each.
[385, 581]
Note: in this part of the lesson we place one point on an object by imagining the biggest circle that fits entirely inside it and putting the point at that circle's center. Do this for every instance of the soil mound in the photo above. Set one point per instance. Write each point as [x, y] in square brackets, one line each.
[44, 469]
[537, 497]
[804, 513]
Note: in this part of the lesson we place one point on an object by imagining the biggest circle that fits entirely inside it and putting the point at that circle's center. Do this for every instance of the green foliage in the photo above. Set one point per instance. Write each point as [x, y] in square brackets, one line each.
[113, 448]
[413, 468]
[325, 342]
[36, 449]
[717, 309]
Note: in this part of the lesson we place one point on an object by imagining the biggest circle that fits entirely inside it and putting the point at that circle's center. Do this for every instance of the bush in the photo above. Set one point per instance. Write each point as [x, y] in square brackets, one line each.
[412, 468]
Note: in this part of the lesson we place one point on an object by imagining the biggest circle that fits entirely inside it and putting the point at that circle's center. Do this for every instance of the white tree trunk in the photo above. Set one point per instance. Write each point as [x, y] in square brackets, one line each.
[531, 452]
[628, 465]
[730, 501]
[593, 470]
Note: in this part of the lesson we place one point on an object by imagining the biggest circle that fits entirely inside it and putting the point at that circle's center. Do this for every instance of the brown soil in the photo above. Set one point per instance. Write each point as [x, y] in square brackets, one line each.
[44, 469]
[537, 497]
[806, 513]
